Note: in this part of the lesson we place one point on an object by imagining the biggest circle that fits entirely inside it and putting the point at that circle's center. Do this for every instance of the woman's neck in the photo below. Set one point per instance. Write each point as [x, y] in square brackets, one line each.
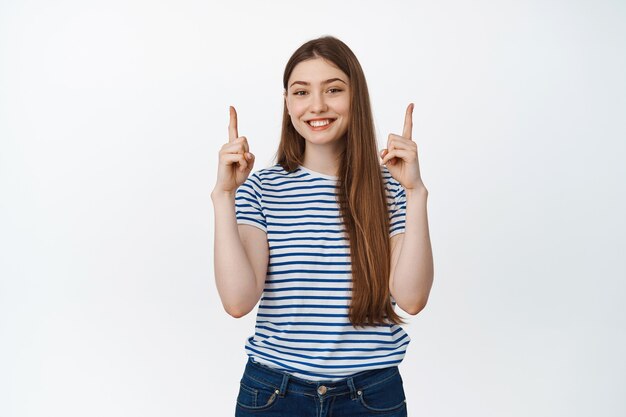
[322, 159]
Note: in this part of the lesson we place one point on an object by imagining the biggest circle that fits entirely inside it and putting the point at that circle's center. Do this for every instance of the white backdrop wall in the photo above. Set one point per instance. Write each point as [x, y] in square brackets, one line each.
[112, 114]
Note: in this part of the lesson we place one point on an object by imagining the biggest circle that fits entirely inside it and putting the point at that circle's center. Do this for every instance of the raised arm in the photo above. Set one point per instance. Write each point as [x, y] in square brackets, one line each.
[241, 252]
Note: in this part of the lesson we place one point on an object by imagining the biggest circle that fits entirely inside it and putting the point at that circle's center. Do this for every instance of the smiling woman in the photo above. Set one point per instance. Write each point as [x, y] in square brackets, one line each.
[318, 100]
[320, 240]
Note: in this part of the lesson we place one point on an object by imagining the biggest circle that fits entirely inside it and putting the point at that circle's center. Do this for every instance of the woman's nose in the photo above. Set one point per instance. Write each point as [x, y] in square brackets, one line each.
[318, 103]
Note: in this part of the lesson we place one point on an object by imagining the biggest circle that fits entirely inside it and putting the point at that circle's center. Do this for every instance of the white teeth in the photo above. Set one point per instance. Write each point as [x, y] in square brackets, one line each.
[317, 123]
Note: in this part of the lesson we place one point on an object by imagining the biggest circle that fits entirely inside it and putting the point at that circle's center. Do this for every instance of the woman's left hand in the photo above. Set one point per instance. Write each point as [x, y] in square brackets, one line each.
[400, 156]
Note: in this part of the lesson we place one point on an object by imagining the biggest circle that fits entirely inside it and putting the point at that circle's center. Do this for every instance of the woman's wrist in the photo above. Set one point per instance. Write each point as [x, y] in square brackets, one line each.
[419, 191]
[218, 195]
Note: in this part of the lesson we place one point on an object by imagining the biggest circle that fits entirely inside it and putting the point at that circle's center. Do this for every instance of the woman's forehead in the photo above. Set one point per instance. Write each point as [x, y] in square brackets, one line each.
[316, 71]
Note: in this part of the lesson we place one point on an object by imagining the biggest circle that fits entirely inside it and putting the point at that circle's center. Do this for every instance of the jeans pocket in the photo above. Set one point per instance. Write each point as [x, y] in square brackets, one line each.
[383, 396]
[256, 395]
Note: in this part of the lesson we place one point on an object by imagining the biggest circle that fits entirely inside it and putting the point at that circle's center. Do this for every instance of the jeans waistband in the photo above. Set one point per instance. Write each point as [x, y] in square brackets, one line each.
[284, 382]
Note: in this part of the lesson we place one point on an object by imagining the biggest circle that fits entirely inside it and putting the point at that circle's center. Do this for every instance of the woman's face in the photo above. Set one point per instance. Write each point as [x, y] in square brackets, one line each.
[318, 93]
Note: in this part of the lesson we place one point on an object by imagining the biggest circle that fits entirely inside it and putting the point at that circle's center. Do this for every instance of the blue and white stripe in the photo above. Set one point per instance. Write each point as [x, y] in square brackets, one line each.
[302, 324]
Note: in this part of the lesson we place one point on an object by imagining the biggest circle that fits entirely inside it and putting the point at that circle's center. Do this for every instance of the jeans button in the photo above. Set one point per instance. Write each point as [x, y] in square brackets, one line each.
[321, 390]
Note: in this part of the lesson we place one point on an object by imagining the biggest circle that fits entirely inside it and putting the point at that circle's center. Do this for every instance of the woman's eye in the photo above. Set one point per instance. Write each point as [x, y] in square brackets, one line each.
[297, 93]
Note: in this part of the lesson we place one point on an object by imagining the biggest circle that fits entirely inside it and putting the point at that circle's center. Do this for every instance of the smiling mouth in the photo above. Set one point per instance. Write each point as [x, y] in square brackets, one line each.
[320, 122]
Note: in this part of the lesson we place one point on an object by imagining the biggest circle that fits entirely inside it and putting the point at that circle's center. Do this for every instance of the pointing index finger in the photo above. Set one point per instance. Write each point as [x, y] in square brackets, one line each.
[408, 122]
[232, 126]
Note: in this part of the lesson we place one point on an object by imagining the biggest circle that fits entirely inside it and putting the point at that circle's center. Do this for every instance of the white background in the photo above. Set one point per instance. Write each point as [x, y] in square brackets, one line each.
[112, 114]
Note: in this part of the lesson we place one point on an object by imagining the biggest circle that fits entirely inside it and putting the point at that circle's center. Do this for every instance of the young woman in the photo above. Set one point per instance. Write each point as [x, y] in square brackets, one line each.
[329, 239]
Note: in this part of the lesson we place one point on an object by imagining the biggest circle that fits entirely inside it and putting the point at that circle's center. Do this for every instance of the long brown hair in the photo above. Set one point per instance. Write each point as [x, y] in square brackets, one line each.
[361, 190]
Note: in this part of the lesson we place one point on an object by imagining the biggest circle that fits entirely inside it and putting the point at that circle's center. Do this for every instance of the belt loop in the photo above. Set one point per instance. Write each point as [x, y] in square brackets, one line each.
[283, 385]
[352, 389]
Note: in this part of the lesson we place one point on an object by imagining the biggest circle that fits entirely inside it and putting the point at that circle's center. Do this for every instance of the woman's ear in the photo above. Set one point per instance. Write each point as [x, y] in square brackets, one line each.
[285, 97]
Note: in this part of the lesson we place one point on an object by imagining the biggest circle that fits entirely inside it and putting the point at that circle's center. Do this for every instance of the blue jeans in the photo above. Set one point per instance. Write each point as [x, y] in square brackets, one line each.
[264, 391]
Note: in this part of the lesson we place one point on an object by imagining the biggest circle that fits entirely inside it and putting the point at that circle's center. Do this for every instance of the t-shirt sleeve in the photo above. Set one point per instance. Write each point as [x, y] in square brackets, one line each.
[397, 209]
[249, 203]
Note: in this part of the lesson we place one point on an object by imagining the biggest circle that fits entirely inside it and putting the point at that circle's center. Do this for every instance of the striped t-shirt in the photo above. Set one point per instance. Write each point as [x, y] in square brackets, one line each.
[302, 324]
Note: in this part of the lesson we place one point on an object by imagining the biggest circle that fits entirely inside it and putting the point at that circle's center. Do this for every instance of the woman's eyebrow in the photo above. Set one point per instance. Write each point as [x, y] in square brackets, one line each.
[330, 80]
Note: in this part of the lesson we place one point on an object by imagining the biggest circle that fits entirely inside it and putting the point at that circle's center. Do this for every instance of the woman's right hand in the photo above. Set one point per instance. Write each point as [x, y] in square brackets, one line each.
[235, 160]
